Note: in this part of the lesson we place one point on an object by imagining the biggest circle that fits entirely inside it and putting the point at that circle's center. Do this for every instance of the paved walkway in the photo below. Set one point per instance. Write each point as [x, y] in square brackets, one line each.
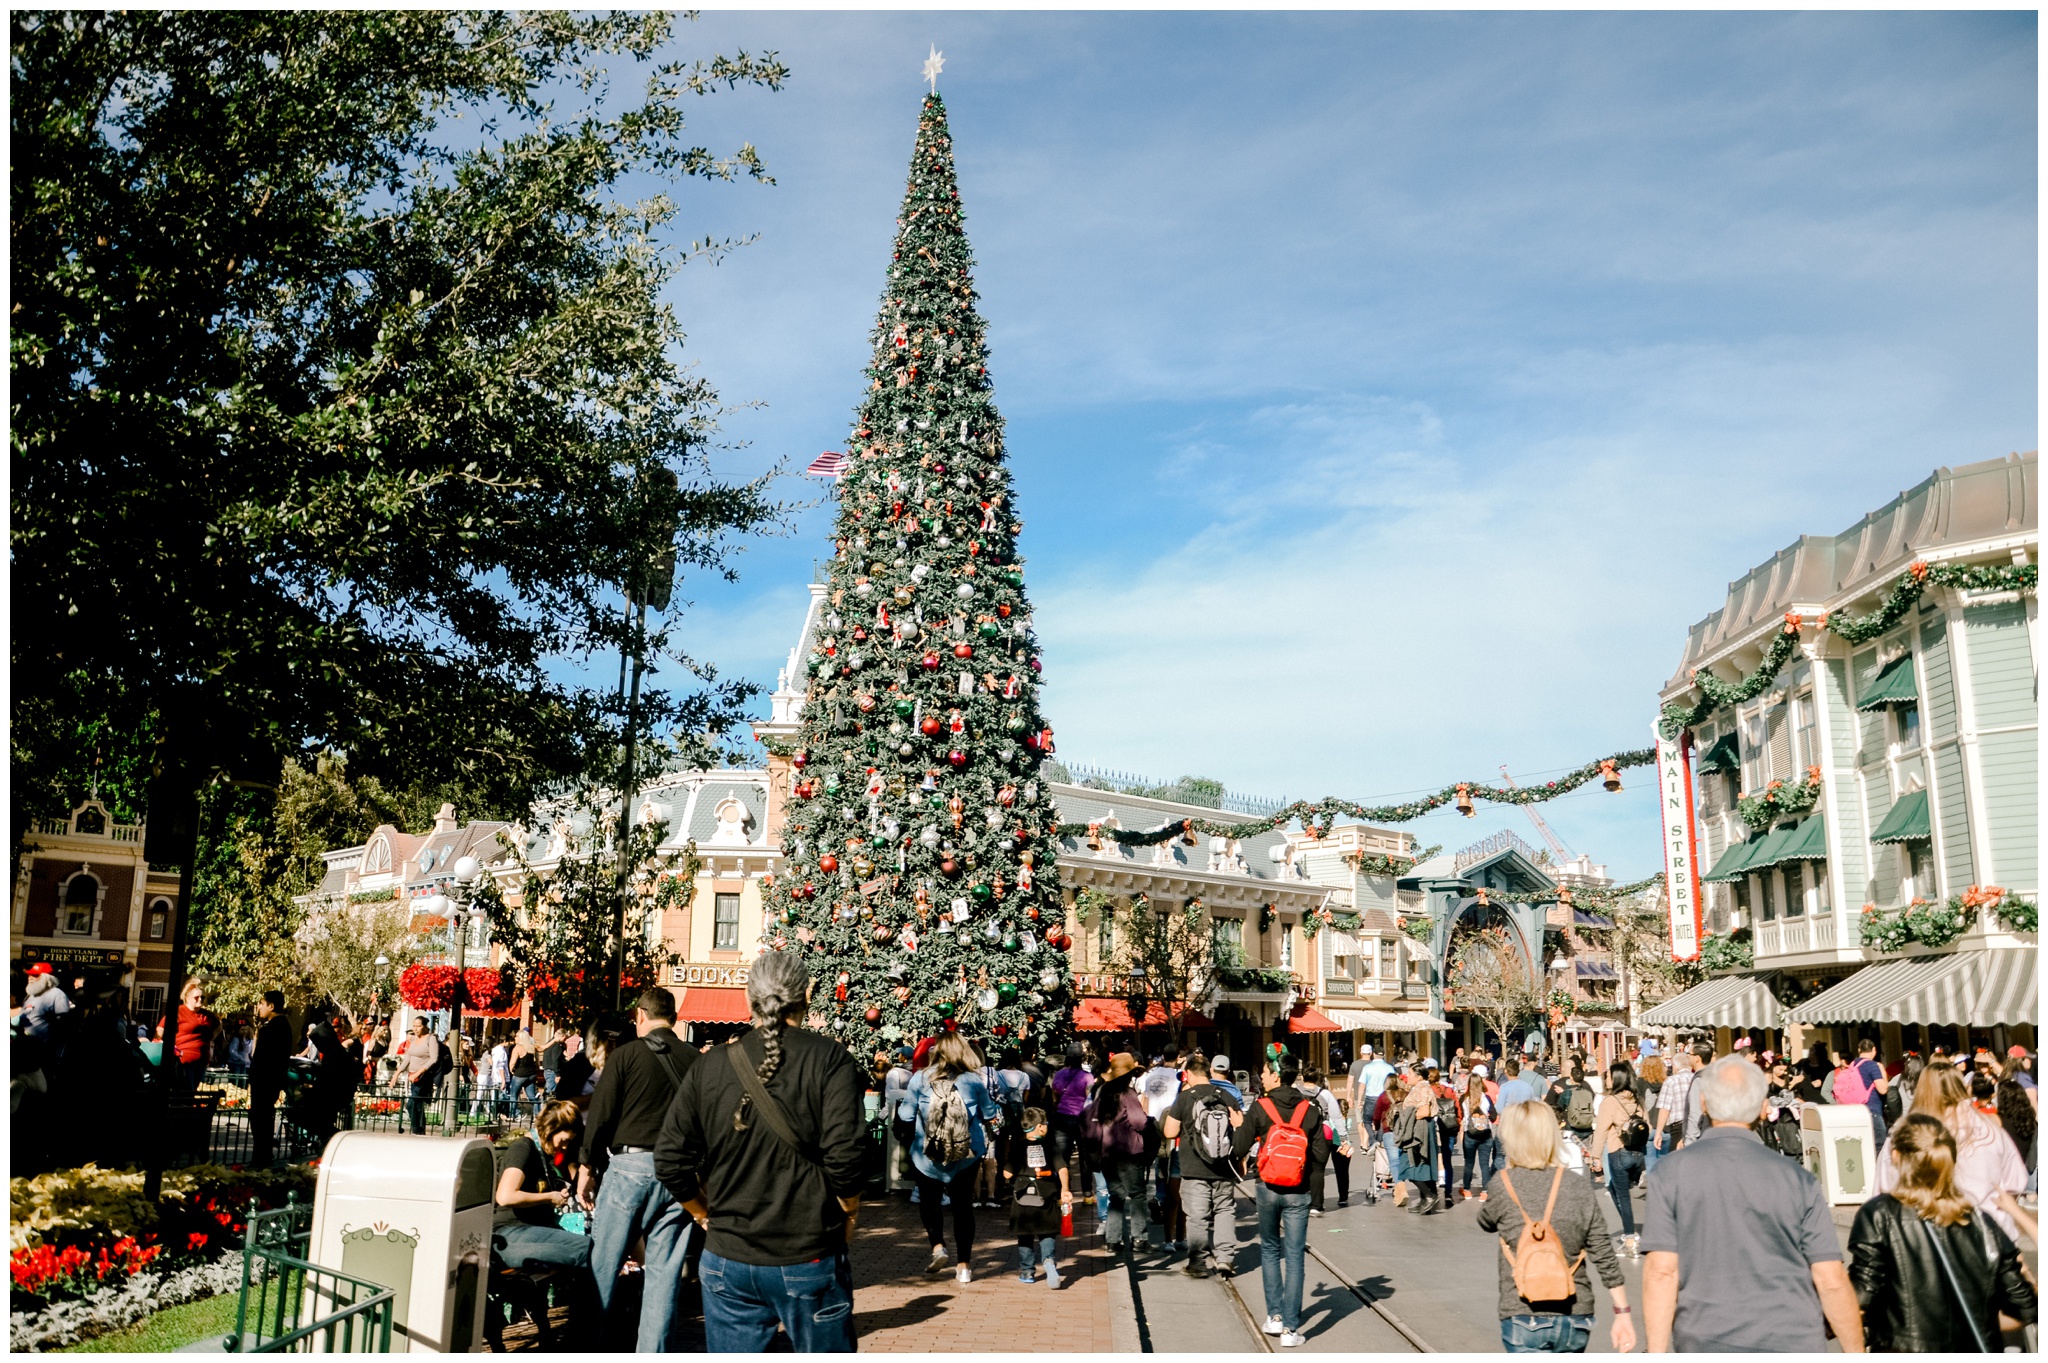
[898, 1308]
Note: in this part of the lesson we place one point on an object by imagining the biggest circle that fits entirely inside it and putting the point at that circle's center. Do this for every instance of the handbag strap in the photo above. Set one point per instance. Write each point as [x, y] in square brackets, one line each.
[1955, 1289]
[765, 1103]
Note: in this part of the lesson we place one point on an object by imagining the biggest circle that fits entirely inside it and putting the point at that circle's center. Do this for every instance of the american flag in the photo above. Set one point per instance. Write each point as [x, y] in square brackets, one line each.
[830, 464]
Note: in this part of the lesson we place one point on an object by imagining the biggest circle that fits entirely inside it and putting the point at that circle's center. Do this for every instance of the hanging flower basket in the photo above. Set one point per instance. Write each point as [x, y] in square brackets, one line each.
[487, 990]
[430, 988]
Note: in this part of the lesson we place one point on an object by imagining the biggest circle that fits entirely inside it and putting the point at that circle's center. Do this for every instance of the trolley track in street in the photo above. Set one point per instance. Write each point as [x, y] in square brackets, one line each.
[1365, 1298]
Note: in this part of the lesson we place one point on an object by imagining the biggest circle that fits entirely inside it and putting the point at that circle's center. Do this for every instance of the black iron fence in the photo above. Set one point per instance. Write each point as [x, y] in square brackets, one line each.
[218, 1124]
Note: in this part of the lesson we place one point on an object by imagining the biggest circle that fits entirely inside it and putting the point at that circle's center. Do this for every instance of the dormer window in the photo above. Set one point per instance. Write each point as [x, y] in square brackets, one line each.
[90, 820]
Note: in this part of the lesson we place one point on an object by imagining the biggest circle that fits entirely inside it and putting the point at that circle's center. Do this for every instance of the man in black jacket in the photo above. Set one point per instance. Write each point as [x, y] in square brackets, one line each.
[1283, 1207]
[266, 1074]
[335, 1085]
[640, 1078]
[778, 1196]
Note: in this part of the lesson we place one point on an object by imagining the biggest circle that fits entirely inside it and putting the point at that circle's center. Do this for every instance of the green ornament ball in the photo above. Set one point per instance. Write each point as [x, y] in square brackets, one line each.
[983, 892]
[944, 1009]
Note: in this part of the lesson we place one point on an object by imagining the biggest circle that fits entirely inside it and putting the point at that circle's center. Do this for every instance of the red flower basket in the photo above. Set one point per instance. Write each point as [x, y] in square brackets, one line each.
[430, 988]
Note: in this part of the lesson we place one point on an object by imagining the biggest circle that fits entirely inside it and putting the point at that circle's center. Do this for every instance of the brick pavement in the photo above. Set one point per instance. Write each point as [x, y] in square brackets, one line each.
[898, 1308]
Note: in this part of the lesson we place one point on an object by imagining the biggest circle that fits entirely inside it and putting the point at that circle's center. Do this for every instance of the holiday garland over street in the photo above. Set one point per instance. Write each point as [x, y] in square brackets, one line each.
[921, 843]
[1906, 589]
[1319, 816]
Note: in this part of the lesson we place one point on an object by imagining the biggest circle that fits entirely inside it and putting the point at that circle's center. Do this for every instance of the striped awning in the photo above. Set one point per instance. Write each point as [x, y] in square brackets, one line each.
[1907, 821]
[1378, 1020]
[1741, 1000]
[1963, 989]
[1583, 919]
[1595, 970]
[2008, 990]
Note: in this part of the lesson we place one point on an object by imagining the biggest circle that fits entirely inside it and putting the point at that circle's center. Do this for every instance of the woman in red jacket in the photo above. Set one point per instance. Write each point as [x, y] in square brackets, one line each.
[192, 1035]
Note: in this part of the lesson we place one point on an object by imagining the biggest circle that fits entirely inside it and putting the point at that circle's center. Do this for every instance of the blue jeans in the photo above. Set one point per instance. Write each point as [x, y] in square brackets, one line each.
[519, 1244]
[1283, 1240]
[1619, 1164]
[1029, 1253]
[1482, 1152]
[1651, 1154]
[1546, 1334]
[813, 1302]
[632, 1202]
[1397, 1163]
[418, 1097]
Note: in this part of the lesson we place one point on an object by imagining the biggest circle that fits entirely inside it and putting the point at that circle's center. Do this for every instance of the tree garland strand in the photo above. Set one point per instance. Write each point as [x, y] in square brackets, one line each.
[1906, 590]
[1318, 816]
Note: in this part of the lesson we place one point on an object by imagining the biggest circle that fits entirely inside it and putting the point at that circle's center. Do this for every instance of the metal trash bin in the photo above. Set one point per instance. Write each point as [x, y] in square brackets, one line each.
[1840, 1151]
[412, 1213]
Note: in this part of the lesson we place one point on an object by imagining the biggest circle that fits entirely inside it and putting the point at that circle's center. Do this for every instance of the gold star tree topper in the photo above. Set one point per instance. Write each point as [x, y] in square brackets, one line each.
[932, 66]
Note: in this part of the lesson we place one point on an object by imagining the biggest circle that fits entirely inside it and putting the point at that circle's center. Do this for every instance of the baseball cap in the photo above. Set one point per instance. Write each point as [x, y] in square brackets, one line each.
[2016, 1052]
[1365, 1050]
[1219, 1064]
[41, 968]
[1481, 1069]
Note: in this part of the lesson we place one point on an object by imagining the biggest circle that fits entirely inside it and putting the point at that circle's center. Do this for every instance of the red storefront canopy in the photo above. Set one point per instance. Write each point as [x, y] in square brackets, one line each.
[703, 1003]
[1114, 1015]
[1307, 1019]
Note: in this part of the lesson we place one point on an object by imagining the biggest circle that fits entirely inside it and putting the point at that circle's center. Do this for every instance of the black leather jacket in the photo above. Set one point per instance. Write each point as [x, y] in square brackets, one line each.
[1908, 1304]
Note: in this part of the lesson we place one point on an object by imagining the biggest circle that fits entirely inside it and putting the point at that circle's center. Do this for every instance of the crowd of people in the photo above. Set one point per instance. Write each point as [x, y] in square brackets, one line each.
[642, 1160]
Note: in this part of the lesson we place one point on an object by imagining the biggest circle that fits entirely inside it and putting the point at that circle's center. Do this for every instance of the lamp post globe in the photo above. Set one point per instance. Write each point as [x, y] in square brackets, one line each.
[467, 869]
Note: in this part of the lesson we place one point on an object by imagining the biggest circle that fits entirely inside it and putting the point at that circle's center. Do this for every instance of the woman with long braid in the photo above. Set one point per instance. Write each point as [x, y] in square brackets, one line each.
[765, 1145]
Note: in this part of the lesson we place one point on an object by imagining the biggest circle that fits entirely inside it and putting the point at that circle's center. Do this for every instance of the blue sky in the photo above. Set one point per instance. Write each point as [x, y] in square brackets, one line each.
[1387, 393]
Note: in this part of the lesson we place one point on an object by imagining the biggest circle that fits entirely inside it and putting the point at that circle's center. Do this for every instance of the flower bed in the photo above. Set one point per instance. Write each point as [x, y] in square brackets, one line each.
[91, 1254]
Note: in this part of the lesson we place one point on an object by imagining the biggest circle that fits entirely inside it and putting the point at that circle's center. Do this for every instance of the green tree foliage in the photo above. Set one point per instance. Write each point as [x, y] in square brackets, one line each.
[557, 923]
[922, 737]
[337, 947]
[263, 855]
[1492, 977]
[343, 392]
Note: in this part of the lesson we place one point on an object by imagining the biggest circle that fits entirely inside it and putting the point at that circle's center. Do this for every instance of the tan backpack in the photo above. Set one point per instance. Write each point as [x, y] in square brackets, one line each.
[1542, 1273]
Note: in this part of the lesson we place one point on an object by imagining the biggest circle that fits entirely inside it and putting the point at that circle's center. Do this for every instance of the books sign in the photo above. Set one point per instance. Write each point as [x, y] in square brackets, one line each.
[1681, 845]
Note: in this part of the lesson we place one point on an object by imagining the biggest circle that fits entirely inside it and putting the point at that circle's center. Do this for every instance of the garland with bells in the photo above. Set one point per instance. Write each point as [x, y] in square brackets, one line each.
[1319, 816]
[1906, 589]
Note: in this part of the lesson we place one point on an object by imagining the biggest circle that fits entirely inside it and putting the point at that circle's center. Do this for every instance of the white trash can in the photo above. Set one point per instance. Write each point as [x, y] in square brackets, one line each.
[1841, 1151]
[412, 1213]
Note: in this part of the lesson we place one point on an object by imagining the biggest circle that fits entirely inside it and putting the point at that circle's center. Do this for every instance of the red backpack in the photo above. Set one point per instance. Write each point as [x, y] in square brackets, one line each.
[1283, 1149]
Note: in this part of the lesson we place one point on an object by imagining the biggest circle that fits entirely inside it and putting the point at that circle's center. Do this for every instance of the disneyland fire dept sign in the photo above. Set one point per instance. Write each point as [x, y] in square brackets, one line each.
[1681, 845]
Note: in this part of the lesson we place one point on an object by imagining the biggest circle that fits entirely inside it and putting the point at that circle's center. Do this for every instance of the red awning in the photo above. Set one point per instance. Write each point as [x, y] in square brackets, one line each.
[1307, 1019]
[1114, 1015]
[703, 1003]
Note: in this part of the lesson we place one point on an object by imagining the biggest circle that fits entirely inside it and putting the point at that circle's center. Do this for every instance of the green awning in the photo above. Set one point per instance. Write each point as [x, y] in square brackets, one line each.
[1724, 756]
[1892, 684]
[1808, 841]
[1731, 864]
[1907, 821]
[1771, 850]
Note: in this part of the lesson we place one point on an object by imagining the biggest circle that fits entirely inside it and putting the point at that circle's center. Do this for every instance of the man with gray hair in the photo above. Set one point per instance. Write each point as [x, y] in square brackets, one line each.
[765, 1146]
[1741, 1252]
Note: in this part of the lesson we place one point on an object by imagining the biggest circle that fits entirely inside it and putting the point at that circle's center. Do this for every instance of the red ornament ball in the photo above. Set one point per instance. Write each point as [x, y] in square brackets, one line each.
[957, 757]
[963, 649]
[929, 662]
[828, 863]
[930, 727]
[873, 1015]
[800, 761]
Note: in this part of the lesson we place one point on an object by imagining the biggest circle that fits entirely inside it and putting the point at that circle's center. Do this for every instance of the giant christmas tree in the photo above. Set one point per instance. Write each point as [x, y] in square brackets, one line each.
[921, 871]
